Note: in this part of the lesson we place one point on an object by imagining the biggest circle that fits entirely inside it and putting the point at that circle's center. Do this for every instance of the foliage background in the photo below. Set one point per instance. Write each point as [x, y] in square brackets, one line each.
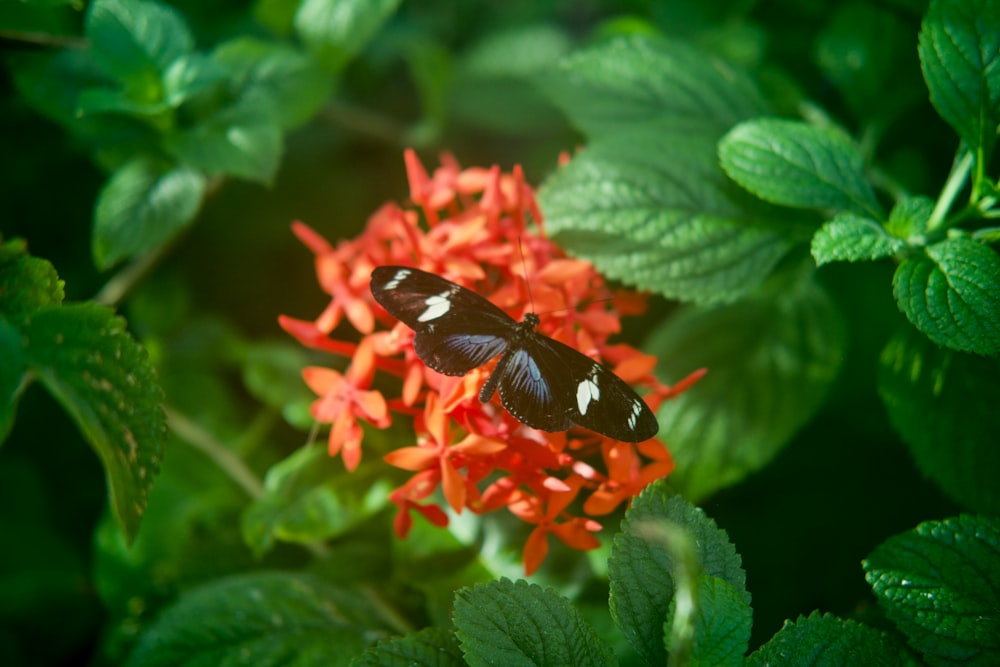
[437, 75]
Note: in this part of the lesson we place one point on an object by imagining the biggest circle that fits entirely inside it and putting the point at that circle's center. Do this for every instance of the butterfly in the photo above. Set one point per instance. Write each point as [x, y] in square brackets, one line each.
[544, 383]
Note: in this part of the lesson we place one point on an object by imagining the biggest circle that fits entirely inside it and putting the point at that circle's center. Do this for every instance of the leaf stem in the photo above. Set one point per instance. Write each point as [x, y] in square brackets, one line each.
[224, 458]
[956, 181]
[122, 282]
[681, 546]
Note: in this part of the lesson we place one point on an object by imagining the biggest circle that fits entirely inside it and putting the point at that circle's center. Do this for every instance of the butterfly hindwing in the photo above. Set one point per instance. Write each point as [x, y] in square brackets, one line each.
[457, 353]
[456, 329]
[578, 390]
[528, 389]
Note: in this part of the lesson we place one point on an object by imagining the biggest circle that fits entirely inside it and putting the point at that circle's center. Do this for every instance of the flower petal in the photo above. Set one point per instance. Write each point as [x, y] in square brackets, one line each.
[536, 548]
[453, 485]
[412, 458]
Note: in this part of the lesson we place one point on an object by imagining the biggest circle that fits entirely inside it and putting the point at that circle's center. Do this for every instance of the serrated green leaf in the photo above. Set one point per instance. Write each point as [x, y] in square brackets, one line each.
[940, 585]
[951, 292]
[431, 647]
[12, 369]
[306, 499]
[641, 569]
[517, 623]
[852, 238]
[943, 403]
[27, 284]
[335, 31]
[723, 621]
[265, 618]
[142, 206]
[795, 164]
[290, 83]
[771, 360]
[101, 376]
[960, 57]
[241, 140]
[908, 219]
[652, 210]
[823, 640]
[640, 80]
[136, 39]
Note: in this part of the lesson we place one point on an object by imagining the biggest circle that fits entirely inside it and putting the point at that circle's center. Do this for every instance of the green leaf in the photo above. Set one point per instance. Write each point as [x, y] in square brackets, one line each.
[517, 623]
[960, 57]
[951, 292]
[12, 369]
[191, 76]
[306, 500]
[495, 83]
[431, 647]
[101, 376]
[823, 640]
[639, 81]
[852, 238]
[335, 31]
[795, 164]
[27, 284]
[943, 403]
[242, 140]
[136, 39]
[268, 618]
[722, 626]
[908, 219]
[141, 207]
[940, 585]
[771, 359]
[294, 86]
[652, 210]
[642, 571]
[101, 100]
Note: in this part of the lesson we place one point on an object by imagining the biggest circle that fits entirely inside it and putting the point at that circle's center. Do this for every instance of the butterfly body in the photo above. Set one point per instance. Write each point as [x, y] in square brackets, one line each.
[544, 383]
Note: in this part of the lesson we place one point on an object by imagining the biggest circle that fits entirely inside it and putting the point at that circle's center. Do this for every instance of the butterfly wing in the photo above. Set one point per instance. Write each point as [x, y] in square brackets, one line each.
[527, 384]
[456, 329]
[551, 386]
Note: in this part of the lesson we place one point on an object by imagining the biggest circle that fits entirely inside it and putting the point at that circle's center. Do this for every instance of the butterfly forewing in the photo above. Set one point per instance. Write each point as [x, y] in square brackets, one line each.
[542, 382]
[456, 329]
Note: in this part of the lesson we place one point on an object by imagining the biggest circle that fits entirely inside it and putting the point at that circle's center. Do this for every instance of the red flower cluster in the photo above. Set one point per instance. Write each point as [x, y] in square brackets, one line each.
[477, 235]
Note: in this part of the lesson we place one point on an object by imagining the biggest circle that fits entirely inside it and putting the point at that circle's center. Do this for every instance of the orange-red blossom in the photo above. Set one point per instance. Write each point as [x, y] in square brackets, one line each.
[475, 231]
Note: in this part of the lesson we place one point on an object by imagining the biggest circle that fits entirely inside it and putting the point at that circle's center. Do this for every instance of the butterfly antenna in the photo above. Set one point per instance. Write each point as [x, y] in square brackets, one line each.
[524, 265]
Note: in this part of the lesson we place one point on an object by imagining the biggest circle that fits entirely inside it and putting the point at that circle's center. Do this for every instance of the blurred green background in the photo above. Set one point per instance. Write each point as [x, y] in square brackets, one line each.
[802, 524]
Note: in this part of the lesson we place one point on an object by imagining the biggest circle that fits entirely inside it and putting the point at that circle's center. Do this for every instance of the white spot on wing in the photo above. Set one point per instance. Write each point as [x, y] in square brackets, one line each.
[437, 305]
[396, 279]
[636, 411]
[587, 392]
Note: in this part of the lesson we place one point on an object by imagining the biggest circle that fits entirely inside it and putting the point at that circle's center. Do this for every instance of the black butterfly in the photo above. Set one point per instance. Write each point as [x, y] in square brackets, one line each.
[543, 383]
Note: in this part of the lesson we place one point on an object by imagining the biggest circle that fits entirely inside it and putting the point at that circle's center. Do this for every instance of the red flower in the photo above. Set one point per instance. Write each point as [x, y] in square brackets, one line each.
[577, 532]
[476, 234]
[343, 400]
